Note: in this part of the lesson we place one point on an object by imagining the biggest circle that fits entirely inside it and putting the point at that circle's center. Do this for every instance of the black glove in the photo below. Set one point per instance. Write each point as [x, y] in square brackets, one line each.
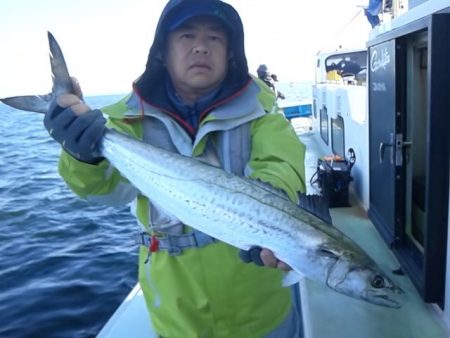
[79, 135]
[252, 255]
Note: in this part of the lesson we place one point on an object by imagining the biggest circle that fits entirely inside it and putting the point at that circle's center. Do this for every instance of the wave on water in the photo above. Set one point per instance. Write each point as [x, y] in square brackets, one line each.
[66, 264]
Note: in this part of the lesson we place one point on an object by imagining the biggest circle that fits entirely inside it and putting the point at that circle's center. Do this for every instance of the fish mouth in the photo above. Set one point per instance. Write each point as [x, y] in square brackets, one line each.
[384, 298]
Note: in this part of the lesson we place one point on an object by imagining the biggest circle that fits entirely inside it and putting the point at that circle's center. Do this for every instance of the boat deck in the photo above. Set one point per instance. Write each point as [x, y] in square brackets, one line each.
[325, 312]
[131, 319]
[345, 317]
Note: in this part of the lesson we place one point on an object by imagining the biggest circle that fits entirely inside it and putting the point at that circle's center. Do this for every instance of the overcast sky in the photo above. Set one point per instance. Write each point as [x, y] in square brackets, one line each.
[106, 42]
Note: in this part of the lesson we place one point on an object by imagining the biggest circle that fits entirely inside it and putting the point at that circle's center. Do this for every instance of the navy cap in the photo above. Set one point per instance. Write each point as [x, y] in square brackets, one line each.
[262, 71]
[262, 68]
[202, 8]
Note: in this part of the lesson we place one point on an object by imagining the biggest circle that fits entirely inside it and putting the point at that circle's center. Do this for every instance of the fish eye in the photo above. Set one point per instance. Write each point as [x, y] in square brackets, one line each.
[378, 282]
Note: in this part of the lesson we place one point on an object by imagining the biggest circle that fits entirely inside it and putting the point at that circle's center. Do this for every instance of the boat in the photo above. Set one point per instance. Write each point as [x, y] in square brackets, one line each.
[384, 109]
[298, 108]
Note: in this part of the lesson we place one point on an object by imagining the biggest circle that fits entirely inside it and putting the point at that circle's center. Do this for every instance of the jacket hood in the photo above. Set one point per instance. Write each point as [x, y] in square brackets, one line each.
[148, 85]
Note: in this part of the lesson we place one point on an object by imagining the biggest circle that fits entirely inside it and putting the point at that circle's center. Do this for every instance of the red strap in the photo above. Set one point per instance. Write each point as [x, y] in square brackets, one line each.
[154, 244]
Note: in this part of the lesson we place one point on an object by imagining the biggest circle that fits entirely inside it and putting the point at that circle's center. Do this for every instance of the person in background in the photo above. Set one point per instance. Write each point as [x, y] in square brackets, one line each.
[195, 97]
[334, 73]
[269, 79]
[372, 12]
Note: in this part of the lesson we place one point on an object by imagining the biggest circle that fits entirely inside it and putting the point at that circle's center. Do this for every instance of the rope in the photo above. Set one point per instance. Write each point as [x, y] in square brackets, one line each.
[345, 27]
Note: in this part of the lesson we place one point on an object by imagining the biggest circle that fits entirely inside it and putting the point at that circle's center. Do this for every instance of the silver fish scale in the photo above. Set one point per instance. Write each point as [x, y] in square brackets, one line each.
[227, 207]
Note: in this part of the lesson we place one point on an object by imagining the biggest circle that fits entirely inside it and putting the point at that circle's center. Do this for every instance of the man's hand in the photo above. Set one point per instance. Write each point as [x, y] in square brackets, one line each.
[262, 257]
[75, 126]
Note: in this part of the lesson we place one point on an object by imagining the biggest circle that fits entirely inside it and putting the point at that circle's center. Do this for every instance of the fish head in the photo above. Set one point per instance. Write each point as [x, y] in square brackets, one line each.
[360, 277]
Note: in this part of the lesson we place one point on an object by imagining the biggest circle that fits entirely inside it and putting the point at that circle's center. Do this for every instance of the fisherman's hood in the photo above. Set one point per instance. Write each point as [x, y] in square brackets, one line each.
[148, 85]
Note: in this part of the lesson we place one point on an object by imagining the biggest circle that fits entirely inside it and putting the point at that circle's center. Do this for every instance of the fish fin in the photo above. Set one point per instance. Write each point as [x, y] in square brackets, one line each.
[291, 277]
[316, 205]
[62, 82]
[33, 103]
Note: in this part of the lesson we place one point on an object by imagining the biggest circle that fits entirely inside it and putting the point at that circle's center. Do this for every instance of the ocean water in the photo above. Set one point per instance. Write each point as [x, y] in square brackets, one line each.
[66, 264]
[294, 91]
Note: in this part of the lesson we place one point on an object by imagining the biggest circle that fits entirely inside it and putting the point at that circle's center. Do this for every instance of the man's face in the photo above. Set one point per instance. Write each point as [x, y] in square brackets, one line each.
[196, 57]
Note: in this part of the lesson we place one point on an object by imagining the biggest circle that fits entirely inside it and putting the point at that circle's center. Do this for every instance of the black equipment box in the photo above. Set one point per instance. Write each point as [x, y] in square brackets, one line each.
[333, 177]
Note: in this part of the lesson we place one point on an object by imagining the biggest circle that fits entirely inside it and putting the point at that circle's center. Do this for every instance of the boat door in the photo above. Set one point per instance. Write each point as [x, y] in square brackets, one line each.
[384, 174]
[409, 77]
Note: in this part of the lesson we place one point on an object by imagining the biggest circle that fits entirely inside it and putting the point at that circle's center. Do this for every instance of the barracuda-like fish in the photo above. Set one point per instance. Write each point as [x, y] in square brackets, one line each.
[234, 209]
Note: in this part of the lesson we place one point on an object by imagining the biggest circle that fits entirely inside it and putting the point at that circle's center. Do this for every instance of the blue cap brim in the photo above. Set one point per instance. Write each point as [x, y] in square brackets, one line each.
[183, 14]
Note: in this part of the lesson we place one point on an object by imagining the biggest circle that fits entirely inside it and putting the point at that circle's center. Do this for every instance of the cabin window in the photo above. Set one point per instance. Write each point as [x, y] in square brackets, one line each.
[315, 108]
[324, 124]
[337, 136]
[350, 66]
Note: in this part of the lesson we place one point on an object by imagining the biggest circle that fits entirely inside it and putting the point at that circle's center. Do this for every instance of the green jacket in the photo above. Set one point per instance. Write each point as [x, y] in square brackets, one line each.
[207, 291]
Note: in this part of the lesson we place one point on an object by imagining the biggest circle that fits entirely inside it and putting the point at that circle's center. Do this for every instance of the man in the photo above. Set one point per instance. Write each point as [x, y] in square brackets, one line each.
[269, 79]
[196, 98]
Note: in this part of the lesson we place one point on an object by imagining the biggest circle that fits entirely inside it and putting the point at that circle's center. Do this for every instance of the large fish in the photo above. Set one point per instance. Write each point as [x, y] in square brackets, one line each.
[233, 209]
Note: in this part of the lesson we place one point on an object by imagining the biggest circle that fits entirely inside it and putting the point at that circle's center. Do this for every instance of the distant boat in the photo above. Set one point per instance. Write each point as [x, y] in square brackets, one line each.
[293, 109]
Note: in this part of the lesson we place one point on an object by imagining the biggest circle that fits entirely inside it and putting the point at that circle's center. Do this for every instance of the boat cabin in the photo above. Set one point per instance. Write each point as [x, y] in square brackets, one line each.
[392, 109]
